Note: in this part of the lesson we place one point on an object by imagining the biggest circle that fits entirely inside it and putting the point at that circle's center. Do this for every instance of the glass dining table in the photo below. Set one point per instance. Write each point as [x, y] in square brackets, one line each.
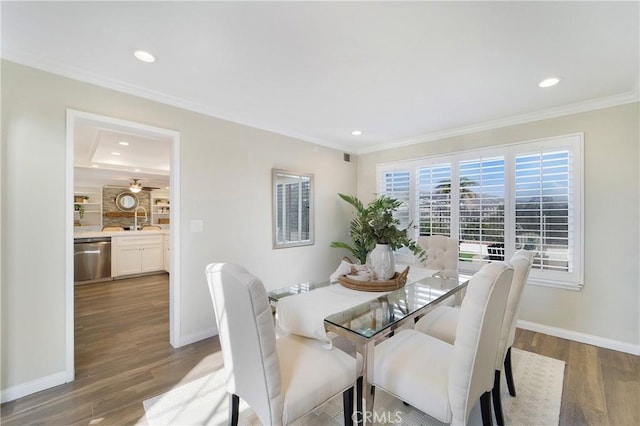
[365, 322]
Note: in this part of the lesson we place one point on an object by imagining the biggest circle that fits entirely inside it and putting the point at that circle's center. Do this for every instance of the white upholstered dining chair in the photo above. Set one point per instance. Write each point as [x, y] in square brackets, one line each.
[281, 379]
[442, 323]
[443, 380]
[441, 251]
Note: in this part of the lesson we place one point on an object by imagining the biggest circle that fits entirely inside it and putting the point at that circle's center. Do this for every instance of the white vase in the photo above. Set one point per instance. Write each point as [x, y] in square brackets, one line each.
[382, 262]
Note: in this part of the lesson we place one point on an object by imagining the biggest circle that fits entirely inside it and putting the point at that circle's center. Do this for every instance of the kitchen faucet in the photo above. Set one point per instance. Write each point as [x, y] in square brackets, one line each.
[135, 217]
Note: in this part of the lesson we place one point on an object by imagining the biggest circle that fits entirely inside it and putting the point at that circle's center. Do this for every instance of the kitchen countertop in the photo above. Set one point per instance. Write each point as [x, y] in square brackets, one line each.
[99, 234]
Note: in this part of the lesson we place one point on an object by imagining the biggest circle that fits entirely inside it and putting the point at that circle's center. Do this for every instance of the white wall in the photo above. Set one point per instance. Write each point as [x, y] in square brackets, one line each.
[225, 177]
[608, 305]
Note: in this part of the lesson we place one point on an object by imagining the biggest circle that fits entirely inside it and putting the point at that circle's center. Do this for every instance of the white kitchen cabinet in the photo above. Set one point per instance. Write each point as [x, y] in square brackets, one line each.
[136, 254]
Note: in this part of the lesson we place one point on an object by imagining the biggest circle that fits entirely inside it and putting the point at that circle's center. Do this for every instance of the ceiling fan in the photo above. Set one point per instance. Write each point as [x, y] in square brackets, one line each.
[136, 186]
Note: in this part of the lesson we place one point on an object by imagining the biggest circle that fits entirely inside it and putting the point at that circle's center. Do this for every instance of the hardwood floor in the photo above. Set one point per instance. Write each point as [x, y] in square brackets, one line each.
[601, 386]
[123, 357]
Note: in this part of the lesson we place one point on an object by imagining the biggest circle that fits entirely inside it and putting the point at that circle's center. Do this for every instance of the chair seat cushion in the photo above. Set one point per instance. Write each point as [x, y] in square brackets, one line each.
[312, 374]
[415, 367]
[440, 323]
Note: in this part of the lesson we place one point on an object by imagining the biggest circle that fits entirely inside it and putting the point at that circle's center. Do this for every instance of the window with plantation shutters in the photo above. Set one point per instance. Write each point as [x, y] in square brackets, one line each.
[498, 200]
[543, 209]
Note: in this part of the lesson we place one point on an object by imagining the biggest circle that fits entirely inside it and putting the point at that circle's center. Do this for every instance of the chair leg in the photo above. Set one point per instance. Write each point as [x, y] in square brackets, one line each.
[347, 401]
[485, 409]
[359, 391]
[497, 401]
[509, 374]
[234, 407]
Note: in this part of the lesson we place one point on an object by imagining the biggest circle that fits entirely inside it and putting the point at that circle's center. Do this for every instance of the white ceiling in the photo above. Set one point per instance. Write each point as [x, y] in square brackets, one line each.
[401, 72]
[145, 155]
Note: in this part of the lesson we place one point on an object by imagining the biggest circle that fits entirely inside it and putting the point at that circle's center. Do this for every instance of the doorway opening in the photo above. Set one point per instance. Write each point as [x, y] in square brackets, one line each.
[82, 160]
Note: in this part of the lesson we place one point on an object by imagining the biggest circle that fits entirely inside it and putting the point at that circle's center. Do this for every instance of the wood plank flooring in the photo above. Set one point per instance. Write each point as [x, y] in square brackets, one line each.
[601, 386]
[123, 357]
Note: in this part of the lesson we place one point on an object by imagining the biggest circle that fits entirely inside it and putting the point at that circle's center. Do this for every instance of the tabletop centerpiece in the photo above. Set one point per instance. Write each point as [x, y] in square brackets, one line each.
[375, 234]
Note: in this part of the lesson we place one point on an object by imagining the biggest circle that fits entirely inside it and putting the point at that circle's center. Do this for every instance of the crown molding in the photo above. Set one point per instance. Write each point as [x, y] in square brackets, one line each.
[591, 105]
[86, 76]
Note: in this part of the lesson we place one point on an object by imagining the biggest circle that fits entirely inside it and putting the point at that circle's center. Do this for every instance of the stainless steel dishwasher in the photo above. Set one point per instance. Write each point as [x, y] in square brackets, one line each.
[91, 260]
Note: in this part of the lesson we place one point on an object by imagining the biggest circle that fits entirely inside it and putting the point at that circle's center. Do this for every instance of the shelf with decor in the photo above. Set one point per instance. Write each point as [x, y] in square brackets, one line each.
[160, 208]
[87, 206]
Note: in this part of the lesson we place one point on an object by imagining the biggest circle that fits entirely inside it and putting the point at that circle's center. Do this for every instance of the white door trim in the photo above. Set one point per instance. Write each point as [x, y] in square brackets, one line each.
[174, 277]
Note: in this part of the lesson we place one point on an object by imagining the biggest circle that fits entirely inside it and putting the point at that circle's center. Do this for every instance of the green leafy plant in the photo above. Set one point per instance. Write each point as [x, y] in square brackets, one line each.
[375, 224]
[362, 243]
[80, 209]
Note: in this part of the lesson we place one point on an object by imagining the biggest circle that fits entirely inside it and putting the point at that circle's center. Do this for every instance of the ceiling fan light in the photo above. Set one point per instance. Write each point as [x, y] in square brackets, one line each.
[135, 186]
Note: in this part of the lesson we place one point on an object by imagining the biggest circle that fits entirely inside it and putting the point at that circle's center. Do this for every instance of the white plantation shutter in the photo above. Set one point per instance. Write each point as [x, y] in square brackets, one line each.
[481, 198]
[434, 199]
[498, 200]
[396, 184]
[544, 211]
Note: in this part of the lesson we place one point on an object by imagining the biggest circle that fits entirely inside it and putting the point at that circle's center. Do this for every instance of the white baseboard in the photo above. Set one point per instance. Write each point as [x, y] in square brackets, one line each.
[195, 337]
[589, 339]
[62, 377]
[34, 386]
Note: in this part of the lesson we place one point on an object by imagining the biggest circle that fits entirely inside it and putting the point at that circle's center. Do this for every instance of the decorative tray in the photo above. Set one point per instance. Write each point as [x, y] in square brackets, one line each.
[398, 281]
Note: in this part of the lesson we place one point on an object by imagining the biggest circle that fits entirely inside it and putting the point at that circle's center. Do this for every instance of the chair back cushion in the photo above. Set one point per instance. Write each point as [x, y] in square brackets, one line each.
[248, 340]
[442, 252]
[477, 335]
[521, 262]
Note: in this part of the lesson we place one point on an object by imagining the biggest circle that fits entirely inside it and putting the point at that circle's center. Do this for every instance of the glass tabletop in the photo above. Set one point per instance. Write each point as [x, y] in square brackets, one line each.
[277, 294]
[370, 318]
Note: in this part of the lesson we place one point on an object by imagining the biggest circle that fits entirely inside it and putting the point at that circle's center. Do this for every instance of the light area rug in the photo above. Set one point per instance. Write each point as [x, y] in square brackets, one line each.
[204, 401]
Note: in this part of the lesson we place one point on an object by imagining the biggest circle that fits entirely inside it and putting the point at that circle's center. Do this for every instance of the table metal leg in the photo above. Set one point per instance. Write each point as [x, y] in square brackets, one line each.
[366, 350]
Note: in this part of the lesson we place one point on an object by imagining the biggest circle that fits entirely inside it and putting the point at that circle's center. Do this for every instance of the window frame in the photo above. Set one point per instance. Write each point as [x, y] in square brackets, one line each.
[574, 143]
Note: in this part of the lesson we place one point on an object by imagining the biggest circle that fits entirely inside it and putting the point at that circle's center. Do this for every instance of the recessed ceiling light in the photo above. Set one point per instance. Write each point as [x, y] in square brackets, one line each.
[548, 82]
[95, 165]
[123, 143]
[356, 133]
[115, 153]
[136, 170]
[144, 56]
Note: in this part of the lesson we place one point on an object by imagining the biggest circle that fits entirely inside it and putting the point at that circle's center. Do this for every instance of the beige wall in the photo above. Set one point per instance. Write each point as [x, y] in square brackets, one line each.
[608, 305]
[225, 181]
[225, 177]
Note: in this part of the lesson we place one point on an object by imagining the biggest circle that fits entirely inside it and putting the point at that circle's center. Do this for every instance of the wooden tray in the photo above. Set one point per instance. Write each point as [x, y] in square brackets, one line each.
[398, 281]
